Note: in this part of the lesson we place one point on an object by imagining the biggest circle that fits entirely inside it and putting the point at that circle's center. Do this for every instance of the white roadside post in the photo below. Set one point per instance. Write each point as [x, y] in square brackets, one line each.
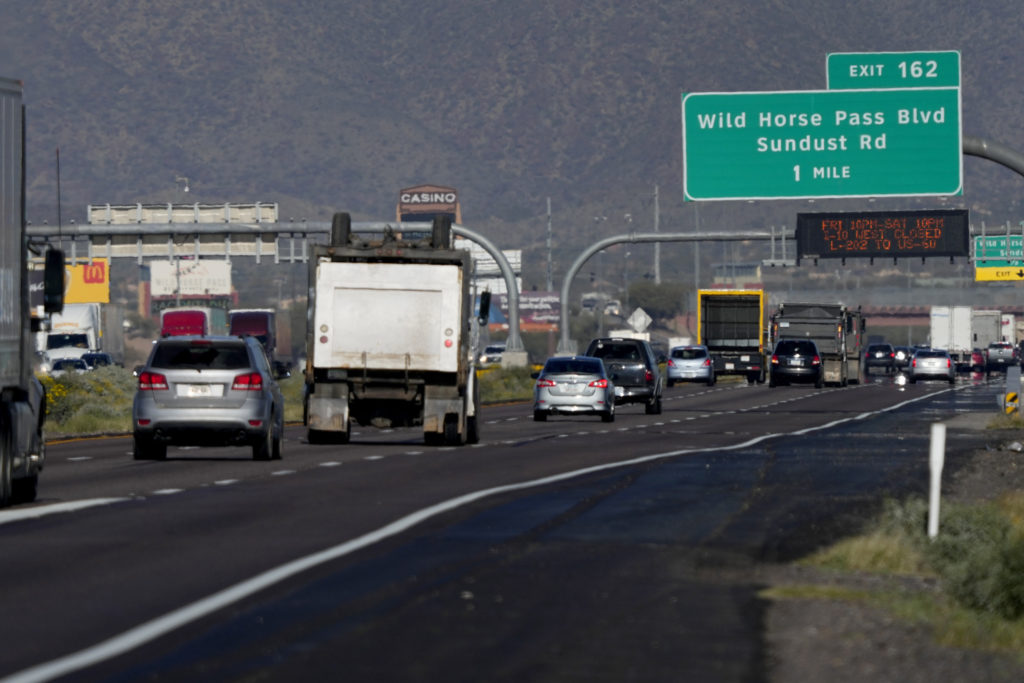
[936, 459]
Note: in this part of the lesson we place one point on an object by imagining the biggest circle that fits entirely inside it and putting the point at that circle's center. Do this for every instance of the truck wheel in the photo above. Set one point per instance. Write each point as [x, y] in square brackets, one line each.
[341, 228]
[441, 233]
[451, 431]
[6, 456]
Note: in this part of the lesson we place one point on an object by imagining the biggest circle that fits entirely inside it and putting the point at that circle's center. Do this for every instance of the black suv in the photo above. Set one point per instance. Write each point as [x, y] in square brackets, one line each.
[880, 356]
[633, 369]
[796, 360]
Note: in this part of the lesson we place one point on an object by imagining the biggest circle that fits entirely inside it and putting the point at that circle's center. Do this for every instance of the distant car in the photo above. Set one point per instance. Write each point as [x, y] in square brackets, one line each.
[932, 364]
[491, 355]
[999, 356]
[689, 364]
[576, 385]
[207, 391]
[97, 359]
[902, 356]
[65, 365]
[633, 367]
[796, 360]
[880, 356]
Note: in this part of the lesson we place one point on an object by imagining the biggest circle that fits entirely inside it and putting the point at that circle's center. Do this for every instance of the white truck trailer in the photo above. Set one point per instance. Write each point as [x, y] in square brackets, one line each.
[950, 329]
[74, 332]
[22, 401]
[391, 336]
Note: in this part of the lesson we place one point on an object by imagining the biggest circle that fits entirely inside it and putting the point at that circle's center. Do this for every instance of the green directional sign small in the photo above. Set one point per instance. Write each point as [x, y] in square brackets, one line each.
[822, 143]
[858, 70]
[999, 250]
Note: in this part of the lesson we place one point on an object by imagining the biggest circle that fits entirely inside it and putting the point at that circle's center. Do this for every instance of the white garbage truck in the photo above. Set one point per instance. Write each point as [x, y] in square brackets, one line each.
[22, 400]
[392, 334]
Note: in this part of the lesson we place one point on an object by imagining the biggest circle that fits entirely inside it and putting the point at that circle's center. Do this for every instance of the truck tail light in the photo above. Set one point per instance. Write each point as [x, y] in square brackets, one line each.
[152, 381]
[250, 381]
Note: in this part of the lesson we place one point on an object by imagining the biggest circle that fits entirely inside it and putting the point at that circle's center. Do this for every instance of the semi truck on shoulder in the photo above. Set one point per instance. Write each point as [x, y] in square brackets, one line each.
[392, 336]
[22, 399]
[180, 321]
[833, 327]
[730, 322]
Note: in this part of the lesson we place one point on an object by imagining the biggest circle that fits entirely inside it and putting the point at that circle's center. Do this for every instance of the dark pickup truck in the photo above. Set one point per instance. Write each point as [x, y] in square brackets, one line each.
[999, 356]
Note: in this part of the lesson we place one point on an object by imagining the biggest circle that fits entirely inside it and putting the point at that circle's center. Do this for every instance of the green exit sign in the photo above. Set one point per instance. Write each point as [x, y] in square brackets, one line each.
[822, 143]
[858, 70]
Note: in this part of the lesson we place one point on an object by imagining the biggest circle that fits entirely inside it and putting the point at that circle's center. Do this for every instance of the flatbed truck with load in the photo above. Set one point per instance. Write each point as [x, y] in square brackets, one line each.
[392, 336]
[730, 323]
[22, 399]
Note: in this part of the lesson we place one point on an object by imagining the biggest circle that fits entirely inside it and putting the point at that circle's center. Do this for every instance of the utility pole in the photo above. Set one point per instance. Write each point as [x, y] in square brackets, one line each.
[550, 285]
[657, 245]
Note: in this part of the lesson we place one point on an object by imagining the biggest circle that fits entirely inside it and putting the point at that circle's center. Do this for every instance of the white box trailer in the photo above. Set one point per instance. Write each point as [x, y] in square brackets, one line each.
[391, 337]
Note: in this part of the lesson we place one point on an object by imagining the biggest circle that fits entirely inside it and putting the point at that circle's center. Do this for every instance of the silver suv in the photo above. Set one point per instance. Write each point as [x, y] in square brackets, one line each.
[207, 391]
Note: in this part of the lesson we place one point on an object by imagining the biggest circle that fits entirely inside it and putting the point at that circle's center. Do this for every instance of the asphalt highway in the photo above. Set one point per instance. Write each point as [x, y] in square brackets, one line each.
[557, 551]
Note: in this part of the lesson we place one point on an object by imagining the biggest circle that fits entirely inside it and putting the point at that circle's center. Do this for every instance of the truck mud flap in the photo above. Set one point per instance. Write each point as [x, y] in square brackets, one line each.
[328, 408]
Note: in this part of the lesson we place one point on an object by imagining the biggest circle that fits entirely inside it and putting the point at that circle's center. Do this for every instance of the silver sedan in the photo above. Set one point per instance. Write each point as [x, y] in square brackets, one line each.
[690, 364]
[573, 385]
[931, 364]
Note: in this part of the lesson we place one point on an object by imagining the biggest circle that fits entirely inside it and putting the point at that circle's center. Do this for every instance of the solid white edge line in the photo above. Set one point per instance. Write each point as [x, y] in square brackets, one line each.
[55, 508]
[151, 630]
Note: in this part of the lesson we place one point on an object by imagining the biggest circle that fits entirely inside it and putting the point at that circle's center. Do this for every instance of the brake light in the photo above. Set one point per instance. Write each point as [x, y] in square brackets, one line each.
[600, 383]
[543, 383]
[948, 363]
[707, 362]
[670, 363]
[648, 376]
[775, 359]
[816, 361]
[913, 363]
[152, 381]
[250, 381]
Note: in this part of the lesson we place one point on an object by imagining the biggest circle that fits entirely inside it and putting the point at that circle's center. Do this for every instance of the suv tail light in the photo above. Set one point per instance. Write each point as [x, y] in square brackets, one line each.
[816, 360]
[648, 376]
[775, 359]
[152, 381]
[250, 381]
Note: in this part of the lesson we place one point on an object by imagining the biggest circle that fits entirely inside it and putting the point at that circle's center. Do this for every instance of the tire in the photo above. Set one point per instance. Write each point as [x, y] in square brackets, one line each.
[670, 382]
[25, 490]
[441, 232]
[275, 449]
[609, 416]
[654, 407]
[540, 416]
[144, 448]
[472, 430]
[711, 380]
[820, 382]
[451, 431]
[771, 382]
[341, 229]
[751, 378]
[264, 448]
[6, 459]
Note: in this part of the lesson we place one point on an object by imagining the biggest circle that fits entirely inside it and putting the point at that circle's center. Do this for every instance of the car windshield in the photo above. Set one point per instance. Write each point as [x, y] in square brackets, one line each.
[689, 354]
[574, 365]
[617, 352]
[200, 356]
[793, 348]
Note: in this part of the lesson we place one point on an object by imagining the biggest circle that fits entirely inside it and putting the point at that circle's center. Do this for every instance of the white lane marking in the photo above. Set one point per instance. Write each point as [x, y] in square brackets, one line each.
[162, 625]
[54, 508]
[225, 482]
[80, 458]
[281, 473]
[166, 492]
[330, 463]
[374, 457]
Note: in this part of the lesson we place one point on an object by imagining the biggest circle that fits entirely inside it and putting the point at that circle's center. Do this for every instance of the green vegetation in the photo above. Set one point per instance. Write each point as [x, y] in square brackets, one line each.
[502, 385]
[977, 560]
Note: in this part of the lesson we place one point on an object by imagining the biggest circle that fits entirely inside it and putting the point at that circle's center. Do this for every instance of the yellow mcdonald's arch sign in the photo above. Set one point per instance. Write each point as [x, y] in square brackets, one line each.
[88, 283]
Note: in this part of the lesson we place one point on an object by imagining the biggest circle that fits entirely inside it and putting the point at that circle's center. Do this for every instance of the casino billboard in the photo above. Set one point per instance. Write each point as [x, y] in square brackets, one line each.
[424, 202]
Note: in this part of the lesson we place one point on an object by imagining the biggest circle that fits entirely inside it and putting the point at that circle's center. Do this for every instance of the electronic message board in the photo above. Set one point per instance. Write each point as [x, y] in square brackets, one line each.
[896, 234]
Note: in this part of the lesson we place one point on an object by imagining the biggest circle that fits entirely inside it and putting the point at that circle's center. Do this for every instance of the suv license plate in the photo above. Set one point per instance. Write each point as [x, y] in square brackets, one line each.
[195, 390]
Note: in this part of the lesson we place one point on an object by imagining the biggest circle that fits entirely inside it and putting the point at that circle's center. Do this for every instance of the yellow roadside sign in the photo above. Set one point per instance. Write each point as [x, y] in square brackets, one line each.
[1001, 273]
[1011, 403]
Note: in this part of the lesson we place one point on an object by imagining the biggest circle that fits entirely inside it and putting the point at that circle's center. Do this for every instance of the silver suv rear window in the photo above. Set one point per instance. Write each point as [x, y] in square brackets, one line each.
[200, 356]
